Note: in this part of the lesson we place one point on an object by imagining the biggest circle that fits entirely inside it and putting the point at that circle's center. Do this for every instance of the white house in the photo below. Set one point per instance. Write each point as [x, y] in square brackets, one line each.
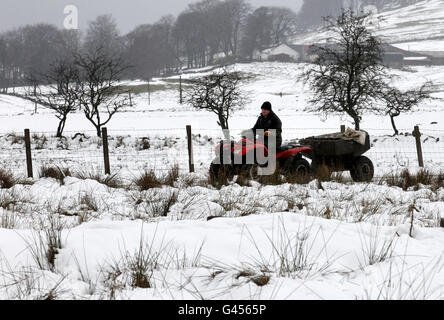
[282, 50]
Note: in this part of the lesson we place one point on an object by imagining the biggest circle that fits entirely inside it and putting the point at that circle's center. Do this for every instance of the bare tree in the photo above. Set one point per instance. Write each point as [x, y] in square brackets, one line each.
[256, 34]
[239, 10]
[59, 95]
[267, 27]
[348, 76]
[150, 49]
[283, 24]
[398, 101]
[103, 34]
[97, 87]
[220, 93]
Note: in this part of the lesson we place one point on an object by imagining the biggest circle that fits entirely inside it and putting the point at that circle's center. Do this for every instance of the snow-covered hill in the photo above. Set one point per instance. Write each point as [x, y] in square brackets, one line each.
[423, 20]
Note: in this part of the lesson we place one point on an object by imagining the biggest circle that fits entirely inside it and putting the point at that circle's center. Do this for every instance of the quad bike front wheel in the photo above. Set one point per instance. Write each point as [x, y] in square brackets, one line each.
[300, 167]
[220, 171]
[362, 170]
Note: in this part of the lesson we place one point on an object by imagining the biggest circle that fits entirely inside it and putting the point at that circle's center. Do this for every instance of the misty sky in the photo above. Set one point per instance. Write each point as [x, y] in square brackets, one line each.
[128, 13]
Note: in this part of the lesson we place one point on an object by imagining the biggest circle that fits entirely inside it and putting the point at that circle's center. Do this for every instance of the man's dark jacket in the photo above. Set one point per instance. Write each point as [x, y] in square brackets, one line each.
[272, 121]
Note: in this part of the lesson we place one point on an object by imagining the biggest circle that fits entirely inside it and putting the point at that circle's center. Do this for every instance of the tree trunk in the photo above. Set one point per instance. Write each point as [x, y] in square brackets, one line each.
[99, 123]
[60, 128]
[224, 125]
[357, 123]
[392, 119]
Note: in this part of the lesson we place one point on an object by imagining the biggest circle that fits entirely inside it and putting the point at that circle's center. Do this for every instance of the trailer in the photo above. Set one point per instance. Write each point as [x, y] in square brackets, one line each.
[342, 151]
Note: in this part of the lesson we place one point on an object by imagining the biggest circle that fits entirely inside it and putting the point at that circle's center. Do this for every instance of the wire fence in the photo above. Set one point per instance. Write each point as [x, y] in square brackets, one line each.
[133, 151]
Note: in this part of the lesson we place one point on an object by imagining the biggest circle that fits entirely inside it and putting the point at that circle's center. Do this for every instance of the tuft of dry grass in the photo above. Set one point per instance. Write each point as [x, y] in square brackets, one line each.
[10, 199]
[8, 220]
[322, 173]
[171, 176]
[110, 180]
[16, 139]
[375, 248]
[221, 176]
[406, 179]
[135, 269]
[277, 178]
[143, 144]
[28, 283]
[40, 141]
[155, 203]
[54, 172]
[292, 256]
[298, 179]
[46, 242]
[149, 180]
[88, 202]
[162, 207]
[7, 180]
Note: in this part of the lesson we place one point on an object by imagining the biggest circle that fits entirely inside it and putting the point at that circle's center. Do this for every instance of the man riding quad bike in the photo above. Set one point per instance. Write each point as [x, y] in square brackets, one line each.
[267, 121]
[254, 156]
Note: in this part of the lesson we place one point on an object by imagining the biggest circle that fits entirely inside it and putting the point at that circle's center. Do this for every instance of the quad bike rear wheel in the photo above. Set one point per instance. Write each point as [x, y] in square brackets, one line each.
[362, 169]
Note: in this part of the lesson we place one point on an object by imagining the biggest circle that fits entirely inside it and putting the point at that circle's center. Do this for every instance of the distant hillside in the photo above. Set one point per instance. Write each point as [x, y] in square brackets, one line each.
[312, 11]
[384, 5]
[422, 20]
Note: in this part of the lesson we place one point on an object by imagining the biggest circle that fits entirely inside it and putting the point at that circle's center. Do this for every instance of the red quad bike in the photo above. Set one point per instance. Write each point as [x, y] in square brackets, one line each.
[288, 157]
[336, 151]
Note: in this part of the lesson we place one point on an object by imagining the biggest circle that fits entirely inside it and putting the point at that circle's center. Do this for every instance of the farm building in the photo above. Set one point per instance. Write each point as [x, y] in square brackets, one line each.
[393, 57]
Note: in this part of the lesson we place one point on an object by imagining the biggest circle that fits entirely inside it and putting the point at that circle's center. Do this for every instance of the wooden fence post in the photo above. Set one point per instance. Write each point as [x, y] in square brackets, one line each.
[190, 150]
[28, 153]
[180, 89]
[105, 150]
[442, 222]
[149, 93]
[342, 128]
[417, 135]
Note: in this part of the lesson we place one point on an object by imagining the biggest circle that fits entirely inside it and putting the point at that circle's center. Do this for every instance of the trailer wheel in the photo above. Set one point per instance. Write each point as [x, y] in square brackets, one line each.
[362, 170]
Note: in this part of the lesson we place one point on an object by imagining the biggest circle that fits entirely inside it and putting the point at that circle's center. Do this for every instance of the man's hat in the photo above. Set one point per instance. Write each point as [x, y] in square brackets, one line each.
[266, 106]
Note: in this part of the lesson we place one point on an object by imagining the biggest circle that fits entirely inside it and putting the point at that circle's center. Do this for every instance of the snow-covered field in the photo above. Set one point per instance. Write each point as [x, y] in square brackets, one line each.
[335, 240]
[345, 241]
